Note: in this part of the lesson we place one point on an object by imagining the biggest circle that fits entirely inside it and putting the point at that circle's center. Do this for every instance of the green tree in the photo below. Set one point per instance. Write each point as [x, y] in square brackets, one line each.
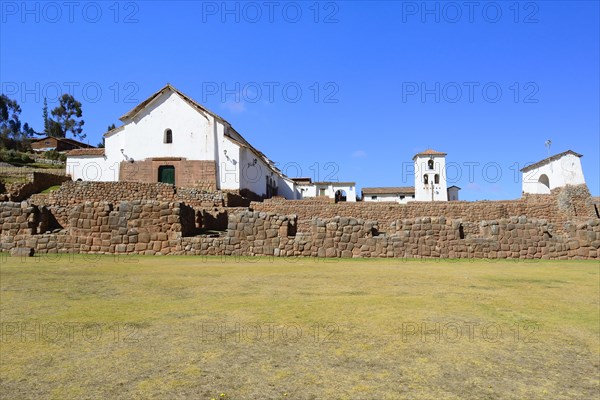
[67, 118]
[13, 134]
[45, 115]
[110, 128]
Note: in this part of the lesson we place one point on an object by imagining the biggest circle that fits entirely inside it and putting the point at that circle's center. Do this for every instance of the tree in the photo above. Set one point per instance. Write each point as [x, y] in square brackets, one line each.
[45, 115]
[12, 133]
[67, 118]
[110, 128]
[10, 126]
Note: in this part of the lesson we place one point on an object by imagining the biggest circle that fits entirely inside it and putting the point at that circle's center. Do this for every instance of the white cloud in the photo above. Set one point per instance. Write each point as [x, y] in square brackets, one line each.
[235, 107]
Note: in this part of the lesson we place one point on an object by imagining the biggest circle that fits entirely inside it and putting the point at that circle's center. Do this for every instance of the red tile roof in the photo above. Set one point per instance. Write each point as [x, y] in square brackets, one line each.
[389, 190]
[429, 152]
[85, 152]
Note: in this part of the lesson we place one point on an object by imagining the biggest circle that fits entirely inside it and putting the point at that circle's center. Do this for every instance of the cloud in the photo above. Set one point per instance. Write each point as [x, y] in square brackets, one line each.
[474, 187]
[359, 153]
[236, 107]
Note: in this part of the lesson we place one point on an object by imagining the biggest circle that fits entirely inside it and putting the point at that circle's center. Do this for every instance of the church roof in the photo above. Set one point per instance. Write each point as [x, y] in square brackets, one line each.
[134, 111]
[429, 152]
[549, 160]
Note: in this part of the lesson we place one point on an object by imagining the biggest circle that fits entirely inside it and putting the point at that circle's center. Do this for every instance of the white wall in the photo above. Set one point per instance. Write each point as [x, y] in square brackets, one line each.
[228, 164]
[389, 198]
[423, 192]
[313, 190]
[564, 171]
[143, 136]
[253, 177]
[287, 188]
[92, 168]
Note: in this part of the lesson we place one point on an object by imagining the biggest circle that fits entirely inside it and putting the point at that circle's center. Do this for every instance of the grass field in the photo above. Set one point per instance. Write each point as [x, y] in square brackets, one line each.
[204, 328]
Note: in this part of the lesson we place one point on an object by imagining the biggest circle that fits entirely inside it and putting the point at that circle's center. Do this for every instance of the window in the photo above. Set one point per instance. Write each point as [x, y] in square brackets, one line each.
[426, 179]
[168, 136]
[430, 164]
[413, 196]
[401, 197]
[373, 197]
[47, 142]
[436, 178]
[321, 191]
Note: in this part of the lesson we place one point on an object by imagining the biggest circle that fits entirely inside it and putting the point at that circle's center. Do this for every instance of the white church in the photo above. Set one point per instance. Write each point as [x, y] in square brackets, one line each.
[171, 138]
[553, 172]
[430, 183]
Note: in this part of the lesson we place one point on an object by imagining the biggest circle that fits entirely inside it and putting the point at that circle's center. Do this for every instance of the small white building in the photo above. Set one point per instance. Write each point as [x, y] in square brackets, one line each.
[553, 172]
[171, 138]
[339, 191]
[400, 195]
[430, 176]
[453, 193]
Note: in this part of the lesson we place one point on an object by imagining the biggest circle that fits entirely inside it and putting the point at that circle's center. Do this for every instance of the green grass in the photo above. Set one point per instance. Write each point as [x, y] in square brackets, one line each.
[51, 189]
[186, 327]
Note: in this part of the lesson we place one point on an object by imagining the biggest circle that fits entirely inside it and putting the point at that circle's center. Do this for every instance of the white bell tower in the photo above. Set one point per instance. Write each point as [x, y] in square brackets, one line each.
[430, 176]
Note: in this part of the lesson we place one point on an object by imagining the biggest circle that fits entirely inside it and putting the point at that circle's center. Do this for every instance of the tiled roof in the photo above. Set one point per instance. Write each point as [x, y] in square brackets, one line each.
[64, 140]
[389, 190]
[86, 152]
[550, 159]
[430, 152]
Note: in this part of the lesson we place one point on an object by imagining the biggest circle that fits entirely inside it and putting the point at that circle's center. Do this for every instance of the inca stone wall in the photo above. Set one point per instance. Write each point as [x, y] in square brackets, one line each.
[562, 225]
[153, 227]
[78, 192]
[572, 203]
[35, 182]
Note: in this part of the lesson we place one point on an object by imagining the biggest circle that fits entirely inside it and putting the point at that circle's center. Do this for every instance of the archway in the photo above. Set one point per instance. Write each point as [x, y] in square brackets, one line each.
[340, 195]
[544, 184]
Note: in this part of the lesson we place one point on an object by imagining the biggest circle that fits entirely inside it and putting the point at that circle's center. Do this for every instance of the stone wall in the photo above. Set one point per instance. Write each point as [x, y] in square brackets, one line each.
[564, 204]
[99, 227]
[189, 173]
[153, 227]
[73, 192]
[34, 182]
[515, 237]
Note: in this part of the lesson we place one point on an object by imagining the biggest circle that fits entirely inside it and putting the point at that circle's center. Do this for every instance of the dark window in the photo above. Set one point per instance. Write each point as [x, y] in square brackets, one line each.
[401, 197]
[373, 197]
[166, 174]
[168, 136]
[426, 179]
[430, 164]
[437, 178]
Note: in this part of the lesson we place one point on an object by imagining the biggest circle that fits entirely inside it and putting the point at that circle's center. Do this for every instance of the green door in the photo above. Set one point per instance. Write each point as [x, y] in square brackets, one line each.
[166, 174]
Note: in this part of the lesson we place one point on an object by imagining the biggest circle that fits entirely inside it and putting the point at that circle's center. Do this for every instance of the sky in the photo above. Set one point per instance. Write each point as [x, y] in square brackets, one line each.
[333, 90]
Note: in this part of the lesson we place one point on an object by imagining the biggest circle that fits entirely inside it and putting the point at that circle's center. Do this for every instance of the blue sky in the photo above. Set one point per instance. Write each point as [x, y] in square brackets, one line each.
[333, 90]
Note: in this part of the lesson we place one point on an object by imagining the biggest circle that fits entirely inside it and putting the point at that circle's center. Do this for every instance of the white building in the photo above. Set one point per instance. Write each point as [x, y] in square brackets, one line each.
[339, 191]
[453, 193]
[430, 176]
[400, 195]
[171, 138]
[553, 172]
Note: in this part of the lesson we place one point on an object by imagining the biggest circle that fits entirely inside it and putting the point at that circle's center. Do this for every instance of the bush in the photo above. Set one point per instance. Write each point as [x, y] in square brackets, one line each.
[52, 155]
[15, 157]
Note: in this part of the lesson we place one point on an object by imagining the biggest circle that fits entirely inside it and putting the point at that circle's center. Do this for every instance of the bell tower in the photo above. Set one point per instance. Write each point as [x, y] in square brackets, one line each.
[430, 176]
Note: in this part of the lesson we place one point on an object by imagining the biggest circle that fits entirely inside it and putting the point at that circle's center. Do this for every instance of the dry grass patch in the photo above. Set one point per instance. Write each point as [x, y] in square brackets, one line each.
[196, 327]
